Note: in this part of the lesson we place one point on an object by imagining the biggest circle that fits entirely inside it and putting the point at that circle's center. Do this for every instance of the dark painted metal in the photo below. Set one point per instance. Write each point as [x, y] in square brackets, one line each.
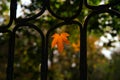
[11, 56]
[34, 16]
[82, 61]
[43, 64]
[12, 16]
[65, 18]
[95, 10]
[111, 4]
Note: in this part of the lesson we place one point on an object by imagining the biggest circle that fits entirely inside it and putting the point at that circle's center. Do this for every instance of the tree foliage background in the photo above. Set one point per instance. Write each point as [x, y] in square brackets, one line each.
[103, 37]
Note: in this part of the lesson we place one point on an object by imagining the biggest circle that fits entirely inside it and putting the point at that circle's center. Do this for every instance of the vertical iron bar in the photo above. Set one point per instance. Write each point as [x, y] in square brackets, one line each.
[44, 65]
[83, 54]
[13, 8]
[10, 57]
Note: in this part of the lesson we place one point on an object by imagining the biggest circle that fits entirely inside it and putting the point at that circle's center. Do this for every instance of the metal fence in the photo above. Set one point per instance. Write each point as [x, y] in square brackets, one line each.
[66, 21]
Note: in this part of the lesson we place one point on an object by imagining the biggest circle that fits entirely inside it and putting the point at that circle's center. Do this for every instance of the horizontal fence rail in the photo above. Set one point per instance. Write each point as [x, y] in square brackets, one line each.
[45, 38]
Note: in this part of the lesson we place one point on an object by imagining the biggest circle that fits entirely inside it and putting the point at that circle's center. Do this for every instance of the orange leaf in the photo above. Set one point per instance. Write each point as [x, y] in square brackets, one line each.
[59, 40]
[54, 42]
[60, 44]
[64, 37]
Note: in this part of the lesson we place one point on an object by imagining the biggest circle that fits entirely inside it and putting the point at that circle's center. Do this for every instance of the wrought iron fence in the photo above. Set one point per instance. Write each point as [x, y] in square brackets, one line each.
[45, 38]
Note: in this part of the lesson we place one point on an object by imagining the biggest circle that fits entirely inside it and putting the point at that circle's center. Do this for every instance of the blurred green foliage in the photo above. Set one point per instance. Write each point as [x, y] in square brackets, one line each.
[62, 66]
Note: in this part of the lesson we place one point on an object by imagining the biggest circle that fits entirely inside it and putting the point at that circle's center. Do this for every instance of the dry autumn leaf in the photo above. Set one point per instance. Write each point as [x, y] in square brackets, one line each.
[76, 46]
[60, 40]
